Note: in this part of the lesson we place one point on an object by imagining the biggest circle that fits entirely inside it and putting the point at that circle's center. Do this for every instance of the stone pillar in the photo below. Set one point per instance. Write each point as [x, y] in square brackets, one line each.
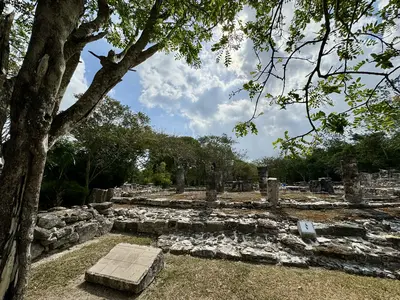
[326, 185]
[220, 182]
[211, 190]
[273, 191]
[98, 196]
[180, 180]
[315, 186]
[263, 179]
[351, 181]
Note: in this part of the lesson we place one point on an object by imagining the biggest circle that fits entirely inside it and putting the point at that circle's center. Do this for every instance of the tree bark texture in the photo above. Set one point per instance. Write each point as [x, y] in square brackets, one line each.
[35, 124]
[32, 106]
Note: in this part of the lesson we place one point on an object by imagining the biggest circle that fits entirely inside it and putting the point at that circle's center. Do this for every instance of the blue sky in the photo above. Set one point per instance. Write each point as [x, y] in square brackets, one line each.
[129, 90]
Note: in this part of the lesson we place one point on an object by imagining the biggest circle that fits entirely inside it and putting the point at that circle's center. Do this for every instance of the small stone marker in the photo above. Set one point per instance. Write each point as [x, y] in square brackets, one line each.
[127, 267]
[306, 229]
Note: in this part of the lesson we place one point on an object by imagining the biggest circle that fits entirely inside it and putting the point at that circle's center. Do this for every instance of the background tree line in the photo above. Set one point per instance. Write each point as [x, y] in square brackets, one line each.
[116, 145]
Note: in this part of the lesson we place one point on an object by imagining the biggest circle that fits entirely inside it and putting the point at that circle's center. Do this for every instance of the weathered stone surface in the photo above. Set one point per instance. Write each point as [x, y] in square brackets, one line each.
[62, 232]
[127, 267]
[326, 185]
[247, 226]
[36, 250]
[294, 261]
[228, 252]
[262, 179]
[183, 247]
[184, 225]
[314, 186]
[180, 180]
[41, 233]
[98, 196]
[132, 225]
[266, 225]
[87, 231]
[49, 220]
[101, 206]
[293, 242]
[212, 226]
[258, 255]
[351, 181]
[74, 215]
[273, 191]
[340, 229]
[105, 226]
[204, 251]
[120, 225]
[57, 208]
[65, 241]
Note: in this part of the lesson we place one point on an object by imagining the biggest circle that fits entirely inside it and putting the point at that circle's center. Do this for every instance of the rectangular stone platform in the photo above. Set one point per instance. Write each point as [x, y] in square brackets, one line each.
[127, 267]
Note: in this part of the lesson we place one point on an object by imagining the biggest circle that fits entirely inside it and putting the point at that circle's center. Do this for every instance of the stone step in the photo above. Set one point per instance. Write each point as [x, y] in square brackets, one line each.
[285, 250]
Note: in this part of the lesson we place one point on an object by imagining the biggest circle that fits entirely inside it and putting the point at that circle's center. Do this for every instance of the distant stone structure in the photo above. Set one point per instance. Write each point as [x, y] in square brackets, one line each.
[322, 185]
[351, 181]
[211, 189]
[263, 179]
[273, 191]
[242, 186]
[180, 180]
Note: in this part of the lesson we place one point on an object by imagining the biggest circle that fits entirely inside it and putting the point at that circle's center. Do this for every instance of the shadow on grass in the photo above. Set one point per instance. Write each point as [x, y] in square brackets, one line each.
[106, 293]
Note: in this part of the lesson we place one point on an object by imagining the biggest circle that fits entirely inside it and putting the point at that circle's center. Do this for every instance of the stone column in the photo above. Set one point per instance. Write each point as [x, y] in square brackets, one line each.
[351, 181]
[315, 186]
[273, 191]
[110, 194]
[211, 191]
[98, 196]
[263, 179]
[326, 185]
[180, 180]
[220, 182]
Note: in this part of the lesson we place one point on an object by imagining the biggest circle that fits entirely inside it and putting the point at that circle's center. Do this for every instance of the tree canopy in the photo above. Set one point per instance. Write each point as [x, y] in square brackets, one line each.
[349, 52]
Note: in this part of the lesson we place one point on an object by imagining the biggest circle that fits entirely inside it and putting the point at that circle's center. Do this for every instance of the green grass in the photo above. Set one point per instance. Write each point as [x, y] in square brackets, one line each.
[58, 273]
[194, 278]
[186, 277]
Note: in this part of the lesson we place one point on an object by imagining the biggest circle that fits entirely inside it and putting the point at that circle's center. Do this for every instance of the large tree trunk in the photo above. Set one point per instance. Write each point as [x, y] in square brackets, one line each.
[32, 105]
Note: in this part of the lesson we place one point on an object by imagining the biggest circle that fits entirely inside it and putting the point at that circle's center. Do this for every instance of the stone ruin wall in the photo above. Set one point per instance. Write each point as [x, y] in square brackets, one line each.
[60, 228]
[260, 237]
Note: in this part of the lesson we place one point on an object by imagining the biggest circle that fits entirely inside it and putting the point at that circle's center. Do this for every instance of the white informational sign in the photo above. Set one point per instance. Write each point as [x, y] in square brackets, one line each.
[306, 229]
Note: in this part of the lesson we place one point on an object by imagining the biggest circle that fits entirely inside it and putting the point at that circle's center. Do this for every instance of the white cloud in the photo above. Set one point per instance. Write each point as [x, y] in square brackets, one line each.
[202, 96]
[77, 85]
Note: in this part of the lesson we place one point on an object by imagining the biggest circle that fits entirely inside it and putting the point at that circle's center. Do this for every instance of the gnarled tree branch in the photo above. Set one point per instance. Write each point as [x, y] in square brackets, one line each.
[106, 78]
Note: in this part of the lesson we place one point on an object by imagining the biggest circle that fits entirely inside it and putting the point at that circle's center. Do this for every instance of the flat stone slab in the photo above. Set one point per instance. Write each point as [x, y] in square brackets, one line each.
[127, 267]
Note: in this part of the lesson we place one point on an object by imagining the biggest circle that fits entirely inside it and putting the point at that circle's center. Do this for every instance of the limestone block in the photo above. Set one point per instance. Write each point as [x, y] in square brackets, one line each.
[127, 267]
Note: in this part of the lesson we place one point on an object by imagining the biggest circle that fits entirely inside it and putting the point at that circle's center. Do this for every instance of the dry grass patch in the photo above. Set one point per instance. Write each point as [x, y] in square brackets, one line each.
[193, 278]
[57, 274]
[317, 215]
[186, 277]
[308, 196]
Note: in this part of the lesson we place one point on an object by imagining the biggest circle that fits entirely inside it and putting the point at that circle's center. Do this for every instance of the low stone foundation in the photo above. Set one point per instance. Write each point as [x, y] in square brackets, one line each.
[366, 244]
[195, 204]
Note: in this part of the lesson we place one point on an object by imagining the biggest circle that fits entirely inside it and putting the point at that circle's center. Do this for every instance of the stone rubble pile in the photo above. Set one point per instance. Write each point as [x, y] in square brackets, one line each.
[60, 228]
